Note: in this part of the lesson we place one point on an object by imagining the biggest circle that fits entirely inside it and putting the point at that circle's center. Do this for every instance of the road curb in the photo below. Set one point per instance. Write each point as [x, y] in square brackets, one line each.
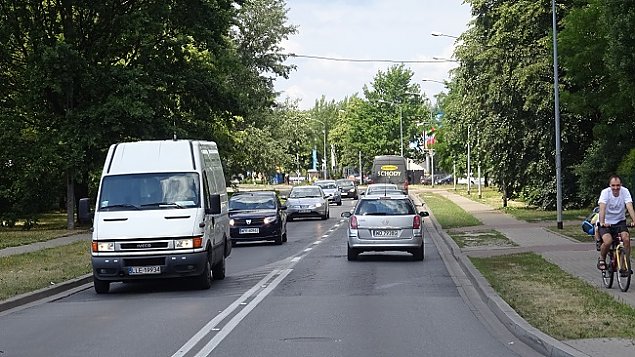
[29, 297]
[536, 339]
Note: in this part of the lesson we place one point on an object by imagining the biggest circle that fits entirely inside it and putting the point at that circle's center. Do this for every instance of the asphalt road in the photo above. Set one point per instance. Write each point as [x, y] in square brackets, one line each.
[299, 299]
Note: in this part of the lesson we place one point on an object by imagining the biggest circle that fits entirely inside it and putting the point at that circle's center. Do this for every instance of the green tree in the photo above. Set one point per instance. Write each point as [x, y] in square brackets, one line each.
[80, 75]
[600, 89]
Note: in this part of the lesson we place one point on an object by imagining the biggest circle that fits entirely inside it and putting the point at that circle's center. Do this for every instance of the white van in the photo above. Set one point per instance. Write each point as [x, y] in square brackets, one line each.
[161, 212]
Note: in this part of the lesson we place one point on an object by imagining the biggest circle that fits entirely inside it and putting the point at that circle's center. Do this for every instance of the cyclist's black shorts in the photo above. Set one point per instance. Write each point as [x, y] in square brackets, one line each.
[614, 229]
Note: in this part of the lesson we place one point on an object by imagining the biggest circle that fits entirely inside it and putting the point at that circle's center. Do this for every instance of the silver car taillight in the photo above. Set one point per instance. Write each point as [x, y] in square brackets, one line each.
[353, 222]
[416, 222]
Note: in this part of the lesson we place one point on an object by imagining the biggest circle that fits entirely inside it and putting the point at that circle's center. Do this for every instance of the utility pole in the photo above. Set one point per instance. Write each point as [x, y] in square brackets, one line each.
[361, 175]
[469, 167]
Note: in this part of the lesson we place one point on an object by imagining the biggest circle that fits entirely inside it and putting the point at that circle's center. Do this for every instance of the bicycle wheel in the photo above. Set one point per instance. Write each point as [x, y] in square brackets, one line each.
[607, 274]
[624, 271]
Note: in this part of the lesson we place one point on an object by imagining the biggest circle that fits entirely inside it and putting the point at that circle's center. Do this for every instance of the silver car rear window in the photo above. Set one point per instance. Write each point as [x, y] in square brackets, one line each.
[385, 207]
[305, 192]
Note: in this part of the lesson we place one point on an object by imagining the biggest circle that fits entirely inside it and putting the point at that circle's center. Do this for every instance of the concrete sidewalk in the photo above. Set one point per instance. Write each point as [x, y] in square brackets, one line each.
[576, 258]
[44, 245]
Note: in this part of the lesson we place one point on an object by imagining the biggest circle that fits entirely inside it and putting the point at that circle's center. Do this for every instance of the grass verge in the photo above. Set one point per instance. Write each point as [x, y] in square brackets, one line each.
[14, 238]
[533, 214]
[520, 210]
[489, 196]
[49, 226]
[482, 238]
[554, 301]
[32, 271]
[572, 230]
[448, 214]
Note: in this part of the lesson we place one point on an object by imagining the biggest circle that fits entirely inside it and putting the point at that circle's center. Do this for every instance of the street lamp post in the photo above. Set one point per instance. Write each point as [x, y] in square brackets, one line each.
[557, 117]
[432, 80]
[429, 151]
[398, 104]
[478, 162]
[439, 34]
[469, 168]
[324, 131]
[401, 129]
[325, 163]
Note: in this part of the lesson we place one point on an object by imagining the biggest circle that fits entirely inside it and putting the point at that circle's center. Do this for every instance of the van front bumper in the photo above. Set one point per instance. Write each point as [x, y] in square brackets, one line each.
[126, 268]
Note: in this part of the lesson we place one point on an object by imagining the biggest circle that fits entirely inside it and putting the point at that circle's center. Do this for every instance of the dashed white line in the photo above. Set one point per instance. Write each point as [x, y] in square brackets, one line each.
[220, 317]
[213, 343]
[260, 290]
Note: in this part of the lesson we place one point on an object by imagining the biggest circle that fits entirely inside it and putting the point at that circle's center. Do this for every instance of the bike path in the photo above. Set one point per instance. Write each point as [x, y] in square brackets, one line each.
[576, 258]
[52, 243]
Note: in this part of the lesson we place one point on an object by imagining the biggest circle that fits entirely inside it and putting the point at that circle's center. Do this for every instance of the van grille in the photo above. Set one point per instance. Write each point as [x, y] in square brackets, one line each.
[253, 221]
[144, 245]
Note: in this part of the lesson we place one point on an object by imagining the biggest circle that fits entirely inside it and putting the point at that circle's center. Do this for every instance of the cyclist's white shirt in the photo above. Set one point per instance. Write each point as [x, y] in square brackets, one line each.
[615, 206]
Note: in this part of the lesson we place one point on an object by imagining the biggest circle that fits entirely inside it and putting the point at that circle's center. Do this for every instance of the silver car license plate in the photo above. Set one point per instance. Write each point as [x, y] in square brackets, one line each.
[155, 269]
[385, 233]
[249, 230]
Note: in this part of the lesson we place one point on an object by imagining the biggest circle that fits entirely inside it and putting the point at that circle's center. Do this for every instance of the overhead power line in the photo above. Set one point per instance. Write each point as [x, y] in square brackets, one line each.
[324, 58]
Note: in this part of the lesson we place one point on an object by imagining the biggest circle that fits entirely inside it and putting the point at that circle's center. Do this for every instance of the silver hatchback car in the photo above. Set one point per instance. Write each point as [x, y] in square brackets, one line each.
[307, 201]
[385, 223]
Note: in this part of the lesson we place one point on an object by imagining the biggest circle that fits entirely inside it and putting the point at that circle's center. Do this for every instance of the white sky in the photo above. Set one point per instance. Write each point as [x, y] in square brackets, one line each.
[367, 29]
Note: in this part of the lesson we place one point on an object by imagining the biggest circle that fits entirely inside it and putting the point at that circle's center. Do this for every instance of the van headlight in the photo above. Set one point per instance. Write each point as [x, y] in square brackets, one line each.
[103, 246]
[189, 243]
[318, 205]
[232, 222]
[271, 219]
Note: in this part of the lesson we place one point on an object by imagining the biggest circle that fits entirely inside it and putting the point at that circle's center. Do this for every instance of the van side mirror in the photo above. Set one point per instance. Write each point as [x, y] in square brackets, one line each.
[84, 214]
[215, 204]
[424, 214]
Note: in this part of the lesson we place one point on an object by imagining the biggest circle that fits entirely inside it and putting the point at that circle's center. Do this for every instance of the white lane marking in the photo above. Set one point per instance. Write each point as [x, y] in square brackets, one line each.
[239, 303]
[218, 338]
[317, 242]
[220, 317]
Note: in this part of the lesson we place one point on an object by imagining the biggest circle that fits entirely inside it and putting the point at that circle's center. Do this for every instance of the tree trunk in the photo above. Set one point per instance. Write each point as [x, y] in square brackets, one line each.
[70, 201]
[504, 194]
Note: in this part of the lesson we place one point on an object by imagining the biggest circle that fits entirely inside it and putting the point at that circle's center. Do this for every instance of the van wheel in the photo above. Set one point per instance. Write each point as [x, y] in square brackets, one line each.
[284, 237]
[205, 280]
[278, 240]
[101, 287]
[218, 270]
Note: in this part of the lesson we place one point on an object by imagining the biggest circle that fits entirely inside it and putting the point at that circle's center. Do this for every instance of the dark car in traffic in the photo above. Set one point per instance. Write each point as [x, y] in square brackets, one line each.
[347, 188]
[257, 216]
[445, 180]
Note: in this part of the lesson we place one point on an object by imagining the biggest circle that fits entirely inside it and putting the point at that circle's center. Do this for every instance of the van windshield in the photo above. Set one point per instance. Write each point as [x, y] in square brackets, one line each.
[149, 191]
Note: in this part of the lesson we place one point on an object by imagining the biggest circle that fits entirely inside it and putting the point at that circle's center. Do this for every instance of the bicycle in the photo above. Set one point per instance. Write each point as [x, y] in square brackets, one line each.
[617, 262]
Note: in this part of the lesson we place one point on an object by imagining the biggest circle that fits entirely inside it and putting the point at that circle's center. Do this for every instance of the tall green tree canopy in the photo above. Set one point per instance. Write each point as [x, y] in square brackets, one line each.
[80, 75]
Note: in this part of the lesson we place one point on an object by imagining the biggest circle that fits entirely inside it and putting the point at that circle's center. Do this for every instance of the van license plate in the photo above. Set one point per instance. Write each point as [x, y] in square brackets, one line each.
[385, 233]
[249, 230]
[156, 269]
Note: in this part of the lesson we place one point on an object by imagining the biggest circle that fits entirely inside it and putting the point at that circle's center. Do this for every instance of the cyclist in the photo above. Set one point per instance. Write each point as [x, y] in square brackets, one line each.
[614, 201]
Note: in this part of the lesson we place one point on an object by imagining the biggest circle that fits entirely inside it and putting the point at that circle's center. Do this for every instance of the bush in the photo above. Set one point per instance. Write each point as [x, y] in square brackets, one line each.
[626, 170]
